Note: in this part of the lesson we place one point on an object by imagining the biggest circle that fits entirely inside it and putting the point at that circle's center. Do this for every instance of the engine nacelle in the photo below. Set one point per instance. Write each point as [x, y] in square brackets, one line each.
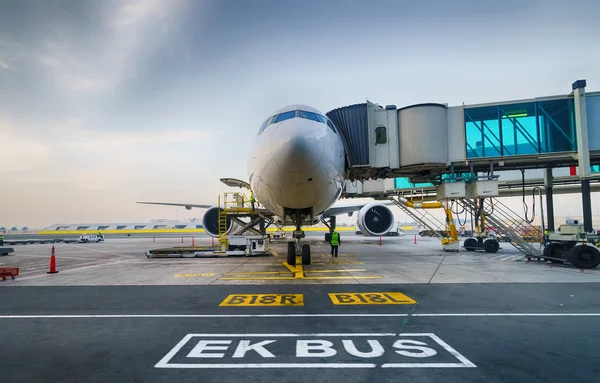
[375, 219]
[210, 221]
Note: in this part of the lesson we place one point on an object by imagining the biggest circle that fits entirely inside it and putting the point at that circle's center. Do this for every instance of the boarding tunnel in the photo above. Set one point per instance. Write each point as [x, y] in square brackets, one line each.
[387, 142]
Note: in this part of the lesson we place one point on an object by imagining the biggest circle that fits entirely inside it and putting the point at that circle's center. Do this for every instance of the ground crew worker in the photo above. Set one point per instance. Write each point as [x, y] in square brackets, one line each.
[252, 200]
[1, 240]
[335, 243]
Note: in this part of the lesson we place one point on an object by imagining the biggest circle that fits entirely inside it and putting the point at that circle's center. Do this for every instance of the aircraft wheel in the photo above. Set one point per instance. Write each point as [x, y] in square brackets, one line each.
[584, 257]
[291, 254]
[471, 244]
[306, 254]
[491, 246]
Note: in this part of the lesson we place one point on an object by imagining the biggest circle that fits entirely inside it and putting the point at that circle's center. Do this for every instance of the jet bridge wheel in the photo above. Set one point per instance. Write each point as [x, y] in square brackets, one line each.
[584, 257]
[306, 254]
[491, 246]
[471, 244]
[291, 254]
[553, 252]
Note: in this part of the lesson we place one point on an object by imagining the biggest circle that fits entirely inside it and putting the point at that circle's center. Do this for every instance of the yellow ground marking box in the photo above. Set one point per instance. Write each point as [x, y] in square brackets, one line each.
[245, 300]
[370, 299]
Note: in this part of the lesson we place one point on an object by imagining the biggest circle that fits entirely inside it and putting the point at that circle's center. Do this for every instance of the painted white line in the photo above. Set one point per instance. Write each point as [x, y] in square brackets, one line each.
[421, 365]
[83, 316]
[295, 335]
[271, 365]
[466, 362]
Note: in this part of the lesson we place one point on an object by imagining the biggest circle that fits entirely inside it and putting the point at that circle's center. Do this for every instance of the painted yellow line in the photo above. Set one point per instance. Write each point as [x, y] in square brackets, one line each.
[293, 278]
[255, 272]
[336, 271]
[263, 300]
[195, 275]
[361, 277]
[345, 262]
[257, 279]
[390, 298]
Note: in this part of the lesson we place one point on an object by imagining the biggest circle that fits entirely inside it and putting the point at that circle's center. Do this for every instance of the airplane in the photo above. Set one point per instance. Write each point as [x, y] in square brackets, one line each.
[297, 170]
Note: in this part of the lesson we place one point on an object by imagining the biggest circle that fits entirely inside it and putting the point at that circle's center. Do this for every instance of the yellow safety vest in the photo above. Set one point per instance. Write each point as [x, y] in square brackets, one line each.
[335, 239]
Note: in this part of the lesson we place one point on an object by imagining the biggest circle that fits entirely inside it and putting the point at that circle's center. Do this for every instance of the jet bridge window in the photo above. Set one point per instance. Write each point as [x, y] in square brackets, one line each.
[380, 136]
[286, 116]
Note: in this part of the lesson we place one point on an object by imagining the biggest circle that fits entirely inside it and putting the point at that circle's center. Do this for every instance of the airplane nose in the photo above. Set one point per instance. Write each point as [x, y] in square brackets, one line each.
[297, 151]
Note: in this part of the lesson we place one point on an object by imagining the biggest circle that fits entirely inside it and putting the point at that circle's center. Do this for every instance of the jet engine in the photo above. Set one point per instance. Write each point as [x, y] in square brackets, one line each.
[210, 222]
[375, 219]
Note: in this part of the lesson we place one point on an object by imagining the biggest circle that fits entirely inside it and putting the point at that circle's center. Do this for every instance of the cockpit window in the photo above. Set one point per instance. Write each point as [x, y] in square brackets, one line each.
[330, 124]
[286, 116]
[267, 123]
[323, 119]
[302, 114]
[308, 115]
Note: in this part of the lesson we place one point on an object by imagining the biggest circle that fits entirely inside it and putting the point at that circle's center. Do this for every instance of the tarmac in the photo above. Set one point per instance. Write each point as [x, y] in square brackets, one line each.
[379, 312]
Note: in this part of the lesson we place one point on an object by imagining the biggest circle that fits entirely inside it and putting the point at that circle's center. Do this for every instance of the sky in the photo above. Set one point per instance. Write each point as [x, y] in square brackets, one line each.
[108, 102]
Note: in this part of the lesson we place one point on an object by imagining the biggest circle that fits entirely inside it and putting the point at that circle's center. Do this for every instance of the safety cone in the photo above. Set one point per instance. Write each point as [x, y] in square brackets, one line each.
[182, 239]
[380, 240]
[192, 241]
[415, 239]
[52, 263]
[213, 241]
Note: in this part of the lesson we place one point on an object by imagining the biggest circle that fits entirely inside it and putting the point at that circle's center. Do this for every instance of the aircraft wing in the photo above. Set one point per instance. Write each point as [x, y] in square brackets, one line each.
[345, 209]
[188, 206]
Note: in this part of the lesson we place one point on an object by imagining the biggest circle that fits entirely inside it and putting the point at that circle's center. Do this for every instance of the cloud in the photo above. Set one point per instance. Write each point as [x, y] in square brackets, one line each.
[50, 61]
[87, 84]
[4, 65]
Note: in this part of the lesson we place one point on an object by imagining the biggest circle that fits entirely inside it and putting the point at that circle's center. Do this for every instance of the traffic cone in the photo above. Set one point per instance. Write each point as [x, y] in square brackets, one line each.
[52, 263]
[213, 240]
[415, 240]
[182, 239]
[192, 241]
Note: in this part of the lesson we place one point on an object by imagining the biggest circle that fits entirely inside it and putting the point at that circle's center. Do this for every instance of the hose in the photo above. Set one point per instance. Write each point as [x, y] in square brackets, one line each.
[525, 207]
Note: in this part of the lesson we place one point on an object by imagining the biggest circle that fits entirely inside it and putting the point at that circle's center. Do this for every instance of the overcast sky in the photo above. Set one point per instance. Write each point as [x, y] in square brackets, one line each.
[103, 103]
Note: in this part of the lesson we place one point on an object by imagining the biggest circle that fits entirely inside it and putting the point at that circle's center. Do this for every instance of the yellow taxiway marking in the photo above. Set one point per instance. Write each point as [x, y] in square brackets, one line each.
[336, 271]
[293, 278]
[287, 272]
[348, 277]
[391, 298]
[257, 279]
[263, 300]
[255, 272]
[336, 262]
[195, 275]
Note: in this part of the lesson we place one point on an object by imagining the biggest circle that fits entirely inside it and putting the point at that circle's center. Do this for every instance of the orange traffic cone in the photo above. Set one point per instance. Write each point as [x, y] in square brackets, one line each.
[52, 263]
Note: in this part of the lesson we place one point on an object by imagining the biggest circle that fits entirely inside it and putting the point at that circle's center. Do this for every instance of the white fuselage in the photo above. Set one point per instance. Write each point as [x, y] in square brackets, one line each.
[297, 162]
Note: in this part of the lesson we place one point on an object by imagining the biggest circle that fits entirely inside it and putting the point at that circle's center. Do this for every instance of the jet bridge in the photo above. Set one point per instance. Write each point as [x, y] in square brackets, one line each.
[432, 142]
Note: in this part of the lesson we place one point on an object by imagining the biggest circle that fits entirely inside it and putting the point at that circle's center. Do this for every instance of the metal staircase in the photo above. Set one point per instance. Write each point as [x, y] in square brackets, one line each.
[423, 218]
[223, 224]
[509, 224]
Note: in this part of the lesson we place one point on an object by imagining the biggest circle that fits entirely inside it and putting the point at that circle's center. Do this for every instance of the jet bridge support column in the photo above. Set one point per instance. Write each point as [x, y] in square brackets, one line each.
[583, 151]
[548, 183]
